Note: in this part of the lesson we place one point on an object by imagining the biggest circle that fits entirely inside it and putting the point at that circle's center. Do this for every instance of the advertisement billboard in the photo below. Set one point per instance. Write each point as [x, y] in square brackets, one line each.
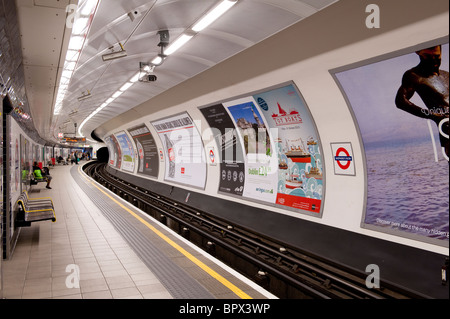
[230, 153]
[183, 147]
[270, 140]
[147, 151]
[400, 106]
[127, 151]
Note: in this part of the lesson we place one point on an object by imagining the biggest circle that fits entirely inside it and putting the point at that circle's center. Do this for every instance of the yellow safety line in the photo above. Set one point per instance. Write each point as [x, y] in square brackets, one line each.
[208, 270]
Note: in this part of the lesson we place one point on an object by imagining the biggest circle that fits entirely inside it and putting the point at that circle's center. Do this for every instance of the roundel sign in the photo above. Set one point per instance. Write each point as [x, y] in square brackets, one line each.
[212, 156]
[343, 158]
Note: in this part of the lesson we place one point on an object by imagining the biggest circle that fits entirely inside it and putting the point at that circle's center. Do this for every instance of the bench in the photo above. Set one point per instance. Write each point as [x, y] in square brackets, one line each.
[37, 178]
[34, 210]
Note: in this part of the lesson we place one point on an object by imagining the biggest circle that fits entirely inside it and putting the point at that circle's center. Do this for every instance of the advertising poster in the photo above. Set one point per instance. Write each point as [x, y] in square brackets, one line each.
[117, 152]
[260, 164]
[113, 151]
[110, 146]
[147, 152]
[127, 151]
[232, 166]
[297, 148]
[400, 103]
[186, 162]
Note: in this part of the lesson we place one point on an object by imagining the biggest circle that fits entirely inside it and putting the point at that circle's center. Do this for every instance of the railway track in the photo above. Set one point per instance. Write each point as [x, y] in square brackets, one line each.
[284, 271]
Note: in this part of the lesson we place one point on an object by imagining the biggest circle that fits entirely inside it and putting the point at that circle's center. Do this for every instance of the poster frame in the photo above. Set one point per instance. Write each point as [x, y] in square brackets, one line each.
[362, 63]
[287, 210]
[166, 157]
[133, 140]
[125, 133]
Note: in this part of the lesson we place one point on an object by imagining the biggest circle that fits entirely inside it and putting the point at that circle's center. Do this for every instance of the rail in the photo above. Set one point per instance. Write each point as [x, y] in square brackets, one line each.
[285, 271]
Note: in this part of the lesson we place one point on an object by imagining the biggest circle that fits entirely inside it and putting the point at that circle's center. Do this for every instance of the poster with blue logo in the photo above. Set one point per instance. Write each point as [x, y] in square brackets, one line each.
[400, 104]
[297, 149]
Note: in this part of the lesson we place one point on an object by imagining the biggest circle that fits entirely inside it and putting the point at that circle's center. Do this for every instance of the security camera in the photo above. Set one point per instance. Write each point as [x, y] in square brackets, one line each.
[148, 78]
[133, 14]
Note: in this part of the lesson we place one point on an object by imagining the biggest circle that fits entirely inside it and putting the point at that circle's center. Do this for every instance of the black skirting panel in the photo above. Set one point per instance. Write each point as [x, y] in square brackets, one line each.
[414, 269]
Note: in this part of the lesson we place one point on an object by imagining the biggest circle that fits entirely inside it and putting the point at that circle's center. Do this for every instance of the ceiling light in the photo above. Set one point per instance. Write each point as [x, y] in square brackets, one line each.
[213, 15]
[80, 26]
[135, 77]
[178, 43]
[76, 43]
[69, 65]
[87, 7]
[117, 94]
[157, 60]
[115, 55]
[126, 86]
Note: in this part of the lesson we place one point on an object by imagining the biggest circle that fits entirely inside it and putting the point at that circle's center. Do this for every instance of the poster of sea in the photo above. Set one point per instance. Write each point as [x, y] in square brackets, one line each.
[401, 106]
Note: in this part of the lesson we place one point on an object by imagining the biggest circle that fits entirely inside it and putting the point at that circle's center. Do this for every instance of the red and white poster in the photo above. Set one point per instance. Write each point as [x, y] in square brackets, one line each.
[184, 151]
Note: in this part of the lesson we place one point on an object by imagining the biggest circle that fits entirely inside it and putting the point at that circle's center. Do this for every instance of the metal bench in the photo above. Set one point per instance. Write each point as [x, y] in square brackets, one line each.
[34, 210]
[38, 178]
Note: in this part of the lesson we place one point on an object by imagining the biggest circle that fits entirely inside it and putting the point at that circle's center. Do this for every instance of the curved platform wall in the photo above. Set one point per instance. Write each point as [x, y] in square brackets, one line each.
[305, 53]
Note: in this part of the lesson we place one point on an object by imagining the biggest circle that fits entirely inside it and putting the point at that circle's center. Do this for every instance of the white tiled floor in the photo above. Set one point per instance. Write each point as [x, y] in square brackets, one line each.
[42, 263]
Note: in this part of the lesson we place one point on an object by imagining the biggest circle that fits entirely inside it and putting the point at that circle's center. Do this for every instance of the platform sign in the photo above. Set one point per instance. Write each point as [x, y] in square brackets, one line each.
[343, 159]
[184, 151]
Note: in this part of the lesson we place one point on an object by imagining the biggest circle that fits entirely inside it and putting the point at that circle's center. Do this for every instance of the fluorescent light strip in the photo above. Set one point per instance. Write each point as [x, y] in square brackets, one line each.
[124, 87]
[213, 15]
[81, 25]
[209, 18]
[178, 43]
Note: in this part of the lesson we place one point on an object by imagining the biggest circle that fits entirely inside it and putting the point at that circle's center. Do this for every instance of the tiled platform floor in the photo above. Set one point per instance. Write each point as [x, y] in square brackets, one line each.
[42, 263]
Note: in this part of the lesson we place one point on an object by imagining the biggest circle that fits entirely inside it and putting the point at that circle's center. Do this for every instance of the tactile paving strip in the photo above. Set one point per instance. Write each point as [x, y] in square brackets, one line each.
[178, 282]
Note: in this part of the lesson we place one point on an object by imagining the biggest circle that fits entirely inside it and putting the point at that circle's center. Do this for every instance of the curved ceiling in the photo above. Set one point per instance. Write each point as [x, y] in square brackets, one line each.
[45, 38]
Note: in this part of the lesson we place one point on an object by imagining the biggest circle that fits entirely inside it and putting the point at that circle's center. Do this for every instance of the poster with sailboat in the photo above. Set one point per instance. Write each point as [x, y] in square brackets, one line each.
[300, 170]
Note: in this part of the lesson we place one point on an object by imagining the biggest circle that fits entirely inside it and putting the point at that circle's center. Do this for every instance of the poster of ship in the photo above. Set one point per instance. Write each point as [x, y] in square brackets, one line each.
[300, 171]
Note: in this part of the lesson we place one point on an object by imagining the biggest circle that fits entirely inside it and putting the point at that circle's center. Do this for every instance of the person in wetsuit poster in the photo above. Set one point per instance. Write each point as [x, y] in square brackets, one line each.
[431, 84]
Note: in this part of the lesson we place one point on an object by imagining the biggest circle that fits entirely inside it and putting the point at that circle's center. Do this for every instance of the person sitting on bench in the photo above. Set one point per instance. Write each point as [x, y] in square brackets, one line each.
[38, 173]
